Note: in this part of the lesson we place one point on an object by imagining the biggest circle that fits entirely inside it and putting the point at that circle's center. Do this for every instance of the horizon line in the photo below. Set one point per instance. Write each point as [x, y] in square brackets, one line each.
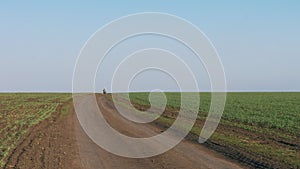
[146, 91]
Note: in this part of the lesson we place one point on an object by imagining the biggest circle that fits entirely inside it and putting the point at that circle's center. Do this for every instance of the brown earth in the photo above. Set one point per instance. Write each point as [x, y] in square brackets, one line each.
[50, 144]
[59, 142]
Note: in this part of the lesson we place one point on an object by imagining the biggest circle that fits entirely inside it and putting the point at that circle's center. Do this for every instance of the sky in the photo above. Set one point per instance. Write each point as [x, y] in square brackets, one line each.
[258, 41]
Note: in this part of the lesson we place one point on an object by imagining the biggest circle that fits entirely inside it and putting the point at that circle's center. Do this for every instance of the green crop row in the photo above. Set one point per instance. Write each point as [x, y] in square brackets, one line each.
[267, 119]
[19, 112]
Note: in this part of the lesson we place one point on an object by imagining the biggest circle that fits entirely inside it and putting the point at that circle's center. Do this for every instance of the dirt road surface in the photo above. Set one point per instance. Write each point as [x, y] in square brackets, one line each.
[60, 142]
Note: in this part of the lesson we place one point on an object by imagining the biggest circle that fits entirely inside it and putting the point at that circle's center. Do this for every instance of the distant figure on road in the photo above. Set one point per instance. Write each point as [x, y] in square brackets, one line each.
[104, 91]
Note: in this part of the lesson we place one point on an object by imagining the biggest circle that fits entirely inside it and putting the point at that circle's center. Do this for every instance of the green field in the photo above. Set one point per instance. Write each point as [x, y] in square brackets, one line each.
[263, 125]
[258, 129]
[19, 112]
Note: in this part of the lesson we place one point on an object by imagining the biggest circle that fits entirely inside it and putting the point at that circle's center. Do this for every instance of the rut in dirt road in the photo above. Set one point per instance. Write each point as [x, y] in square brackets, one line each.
[60, 142]
[184, 155]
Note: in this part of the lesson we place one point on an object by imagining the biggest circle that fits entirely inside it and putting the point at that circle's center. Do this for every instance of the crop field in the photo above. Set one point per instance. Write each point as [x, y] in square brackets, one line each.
[262, 128]
[18, 112]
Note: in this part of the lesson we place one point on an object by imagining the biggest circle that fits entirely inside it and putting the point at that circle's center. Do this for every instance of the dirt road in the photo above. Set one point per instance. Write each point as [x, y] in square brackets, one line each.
[60, 142]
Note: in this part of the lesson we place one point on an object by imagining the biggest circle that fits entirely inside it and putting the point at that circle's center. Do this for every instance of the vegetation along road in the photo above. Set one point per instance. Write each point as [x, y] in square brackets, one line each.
[257, 130]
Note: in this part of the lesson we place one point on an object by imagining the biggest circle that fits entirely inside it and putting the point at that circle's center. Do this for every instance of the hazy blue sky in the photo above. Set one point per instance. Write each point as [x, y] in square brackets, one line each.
[258, 41]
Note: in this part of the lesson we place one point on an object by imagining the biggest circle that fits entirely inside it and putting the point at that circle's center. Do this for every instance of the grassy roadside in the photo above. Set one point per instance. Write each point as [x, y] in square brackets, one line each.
[258, 129]
[19, 112]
